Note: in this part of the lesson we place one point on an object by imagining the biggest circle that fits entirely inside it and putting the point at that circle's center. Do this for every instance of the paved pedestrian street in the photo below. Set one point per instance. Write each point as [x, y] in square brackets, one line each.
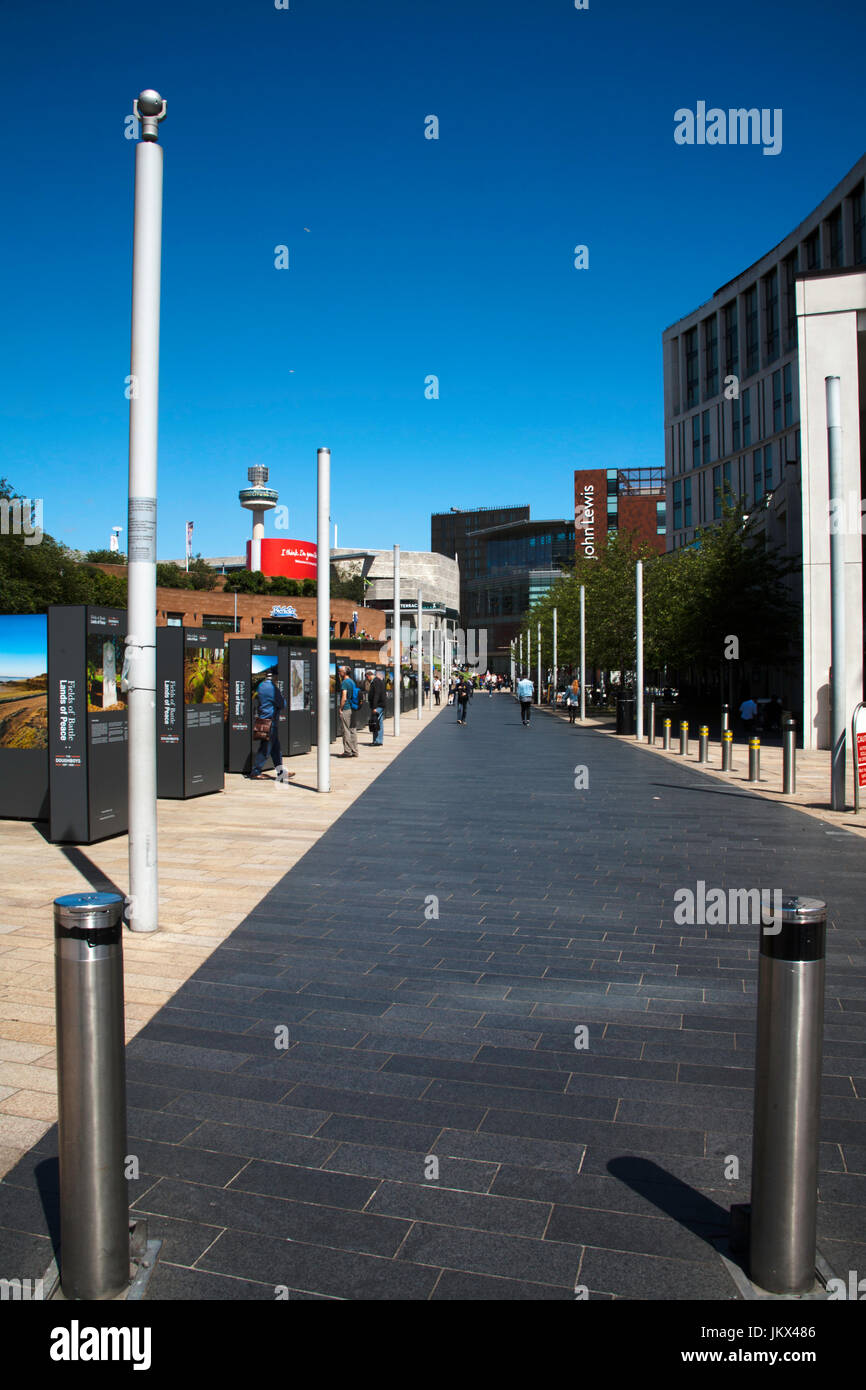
[461, 1050]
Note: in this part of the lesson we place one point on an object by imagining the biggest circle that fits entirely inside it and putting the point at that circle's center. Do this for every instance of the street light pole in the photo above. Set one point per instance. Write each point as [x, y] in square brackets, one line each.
[419, 694]
[323, 623]
[141, 529]
[555, 660]
[838, 685]
[395, 642]
[639, 671]
[538, 665]
[582, 652]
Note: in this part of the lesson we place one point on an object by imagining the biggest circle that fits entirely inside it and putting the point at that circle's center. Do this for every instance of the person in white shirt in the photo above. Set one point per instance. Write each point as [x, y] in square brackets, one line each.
[525, 694]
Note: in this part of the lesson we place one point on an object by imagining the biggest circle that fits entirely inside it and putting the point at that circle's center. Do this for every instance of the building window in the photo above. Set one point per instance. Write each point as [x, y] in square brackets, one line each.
[711, 357]
[717, 492]
[726, 478]
[707, 444]
[225, 622]
[758, 474]
[771, 315]
[751, 305]
[691, 344]
[687, 501]
[790, 268]
[747, 416]
[777, 400]
[678, 506]
[696, 441]
[788, 398]
[858, 209]
[735, 424]
[661, 518]
[732, 342]
[834, 237]
[812, 247]
[768, 468]
[174, 620]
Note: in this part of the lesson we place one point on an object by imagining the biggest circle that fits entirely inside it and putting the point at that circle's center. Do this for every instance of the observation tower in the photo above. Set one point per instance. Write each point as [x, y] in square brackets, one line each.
[258, 499]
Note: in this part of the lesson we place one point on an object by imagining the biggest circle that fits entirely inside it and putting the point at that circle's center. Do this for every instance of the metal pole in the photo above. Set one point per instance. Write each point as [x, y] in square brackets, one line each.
[91, 1094]
[789, 757]
[754, 760]
[236, 611]
[323, 622]
[726, 718]
[396, 654]
[419, 659]
[666, 737]
[141, 573]
[728, 751]
[782, 1229]
[538, 667]
[582, 653]
[529, 653]
[651, 736]
[639, 664]
[684, 737]
[521, 653]
[555, 661]
[838, 685]
[704, 745]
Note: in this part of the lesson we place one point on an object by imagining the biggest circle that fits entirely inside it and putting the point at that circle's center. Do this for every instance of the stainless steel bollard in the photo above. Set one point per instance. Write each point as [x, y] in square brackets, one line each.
[727, 751]
[754, 760]
[684, 737]
[789, 756]
[666, 741]
[91, 1091]
[782, 1228]
[651, 736]
[726, 718]
[704, 745]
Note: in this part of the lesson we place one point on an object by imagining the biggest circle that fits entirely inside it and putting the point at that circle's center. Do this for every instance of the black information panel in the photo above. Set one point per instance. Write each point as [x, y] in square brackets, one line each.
[87, 724]
[332, 669]
[191, 694]
[249, 661]
[300, 702]
[24, 716]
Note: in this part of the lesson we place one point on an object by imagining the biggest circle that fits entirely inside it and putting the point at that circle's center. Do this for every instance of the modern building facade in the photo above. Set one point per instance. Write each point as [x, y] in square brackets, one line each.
[735, 371]
[437, 576]
[618, 499]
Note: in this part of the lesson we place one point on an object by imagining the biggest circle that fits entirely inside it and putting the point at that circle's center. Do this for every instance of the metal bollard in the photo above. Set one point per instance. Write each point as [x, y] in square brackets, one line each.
[684, 737]
[651, 735]
[666, 743]
[789, 756]
[91, 1092]
[727, 751]
[704, 746]
[754, 760]
[726, 718]
[782, 1226]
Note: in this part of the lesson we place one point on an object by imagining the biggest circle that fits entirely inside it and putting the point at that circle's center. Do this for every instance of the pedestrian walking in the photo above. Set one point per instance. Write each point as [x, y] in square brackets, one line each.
[748, 714]
[350, 700]
[437, 690]
[266, 728]
[452, 686]
[463, 694]
[572, 701]
[376, 700]
[525, 693]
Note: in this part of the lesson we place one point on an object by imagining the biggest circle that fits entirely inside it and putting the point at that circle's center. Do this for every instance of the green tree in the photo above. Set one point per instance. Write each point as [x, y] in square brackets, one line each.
[105, 557]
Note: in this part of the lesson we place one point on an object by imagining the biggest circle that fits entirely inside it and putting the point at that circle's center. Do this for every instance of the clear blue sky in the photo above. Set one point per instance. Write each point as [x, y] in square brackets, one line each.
[24, 644]
[451, 257]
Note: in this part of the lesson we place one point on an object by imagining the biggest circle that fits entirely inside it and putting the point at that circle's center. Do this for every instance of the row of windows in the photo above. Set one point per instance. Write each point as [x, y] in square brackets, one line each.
[751, 477]
[761, 410]
[760, 324]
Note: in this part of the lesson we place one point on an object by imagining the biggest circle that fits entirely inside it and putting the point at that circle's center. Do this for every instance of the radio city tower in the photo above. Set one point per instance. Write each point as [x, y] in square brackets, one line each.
[258, 499]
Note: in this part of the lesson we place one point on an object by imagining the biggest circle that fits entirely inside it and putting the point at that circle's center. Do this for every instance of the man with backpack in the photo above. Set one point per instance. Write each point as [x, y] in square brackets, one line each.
[376, 700]
[350, 700]
[269, 702]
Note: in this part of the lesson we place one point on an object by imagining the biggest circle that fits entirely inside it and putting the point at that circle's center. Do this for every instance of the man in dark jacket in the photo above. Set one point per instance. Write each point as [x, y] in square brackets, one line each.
[269, 702]
[376, 701]
[463, 696]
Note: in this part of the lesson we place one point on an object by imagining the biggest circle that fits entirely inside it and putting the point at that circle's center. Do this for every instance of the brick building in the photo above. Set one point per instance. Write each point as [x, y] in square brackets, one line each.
[618, 499]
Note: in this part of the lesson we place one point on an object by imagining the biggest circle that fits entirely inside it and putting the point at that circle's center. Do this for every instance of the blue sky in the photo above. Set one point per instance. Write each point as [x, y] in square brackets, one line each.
[451, 257]
[23, 645]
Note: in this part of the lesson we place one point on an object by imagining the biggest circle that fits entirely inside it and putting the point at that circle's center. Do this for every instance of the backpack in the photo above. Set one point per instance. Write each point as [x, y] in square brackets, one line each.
[354, 700]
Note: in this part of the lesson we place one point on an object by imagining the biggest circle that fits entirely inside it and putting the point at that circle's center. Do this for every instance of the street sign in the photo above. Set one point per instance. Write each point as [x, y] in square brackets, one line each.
[858, 748]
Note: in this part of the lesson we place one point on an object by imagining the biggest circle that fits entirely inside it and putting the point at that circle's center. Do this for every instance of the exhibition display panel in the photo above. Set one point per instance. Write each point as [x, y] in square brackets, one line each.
[248, 661]
[332, 685]
[88, 726]
[191, 703]
[300, 702]
[24, 716]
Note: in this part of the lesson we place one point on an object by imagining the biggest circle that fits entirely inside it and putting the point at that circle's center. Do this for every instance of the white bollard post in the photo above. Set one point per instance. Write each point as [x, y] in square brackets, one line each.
[323, 622]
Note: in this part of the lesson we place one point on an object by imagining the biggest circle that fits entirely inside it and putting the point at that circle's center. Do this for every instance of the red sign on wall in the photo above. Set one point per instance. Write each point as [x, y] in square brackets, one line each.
[288, 558]
[861, 759]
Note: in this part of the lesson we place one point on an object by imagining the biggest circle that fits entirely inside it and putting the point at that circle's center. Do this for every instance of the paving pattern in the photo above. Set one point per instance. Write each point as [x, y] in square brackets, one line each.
[376, 1086]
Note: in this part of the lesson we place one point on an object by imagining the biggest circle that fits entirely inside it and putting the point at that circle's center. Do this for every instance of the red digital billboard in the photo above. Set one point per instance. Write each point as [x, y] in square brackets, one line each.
[291, 559]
